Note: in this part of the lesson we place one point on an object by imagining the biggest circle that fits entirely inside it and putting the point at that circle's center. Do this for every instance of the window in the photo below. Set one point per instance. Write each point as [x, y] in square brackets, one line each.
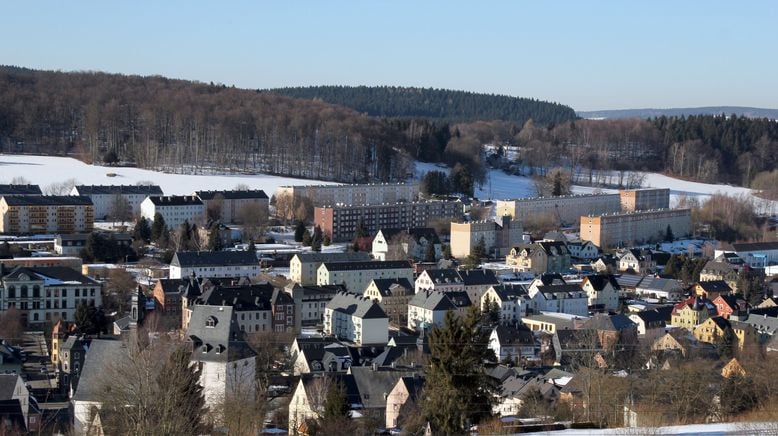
[64, 293]
[211, 322]
[24, 291]
[12, 291]
[78, 291]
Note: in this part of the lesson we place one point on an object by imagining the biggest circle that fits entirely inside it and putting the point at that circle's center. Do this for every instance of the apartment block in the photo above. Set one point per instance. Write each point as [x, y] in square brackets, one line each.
[175, 209]
[46, 214]
[340, 222]
[6, 190]
[566, 209]
[356, 276]
[105, 197]
[356, 194]
[304, 267]
[232, 202]
[644, 199]
[499, 236]
[626, 228]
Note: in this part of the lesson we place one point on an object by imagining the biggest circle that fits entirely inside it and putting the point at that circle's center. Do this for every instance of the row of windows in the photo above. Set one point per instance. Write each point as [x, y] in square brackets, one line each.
[24, 292]
[36, 305]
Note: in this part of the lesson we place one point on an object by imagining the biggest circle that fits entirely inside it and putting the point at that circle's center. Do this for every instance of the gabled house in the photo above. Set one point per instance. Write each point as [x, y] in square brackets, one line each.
[18, 408]
[514, 344]
[602, 292]
[613, 331]
[304, 267]
[405, 394]
[584, 250]
[763, 323]
[540, 257]
[309, 397]
[715, 270]
[331, 357]
[443, 280]
[257, 308]
[102, 354]
[550, 293]
[406, 243]
[218, 346]
[663, 289]
[214, 264]
[692, 312]
[711, 289]
[478, 281]
[638, 261]
[428, 308]
[309, 302]
[714, 329]
[728, 304]
[356, 319]
[393, 295]
[374, 384]
[513, 301]
[651, 323]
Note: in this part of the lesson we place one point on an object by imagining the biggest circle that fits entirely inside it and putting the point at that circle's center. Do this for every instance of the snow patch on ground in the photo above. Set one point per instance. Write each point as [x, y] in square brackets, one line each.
[47, 170]
[724, 428]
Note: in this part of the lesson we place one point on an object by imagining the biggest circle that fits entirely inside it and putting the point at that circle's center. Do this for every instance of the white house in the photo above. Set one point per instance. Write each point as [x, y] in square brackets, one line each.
[309, 397]
[651, 323]
[583, 250]
[512, 343]
[105, 197]
[356, 319]
[602, 291]
[356, 276]
[550, 293]
[443, 280]
[755, 254]
[512, 300]
[410, 243]
[428, 308]
[214, 264]
[304, 267]
[15, 398]
[228, 363]
[174, 209]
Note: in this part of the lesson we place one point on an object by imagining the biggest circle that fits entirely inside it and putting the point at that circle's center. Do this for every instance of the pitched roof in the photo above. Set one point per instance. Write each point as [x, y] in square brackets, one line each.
[356, 305]
[443, 276]
[551, 278]
[553, 248]
[366, 265]
[508, 291]
[722, 268]
[174, 200]
[332, 257]
[715, 286]
[385, 286]
[605, 322]
[599, 282]
[52, 275]
[310, 381]
[459, 298]
[215, 335]
[190, 259]
[20, 190]
[755, 246]
[245, 194]
[118, 189]
[7, 385]
[478, 277]
[655, 317]
[48, 200]
[241, 298]
[514, 336]
[432, 300]
[416, 233]
[102, 353]
[375, 384]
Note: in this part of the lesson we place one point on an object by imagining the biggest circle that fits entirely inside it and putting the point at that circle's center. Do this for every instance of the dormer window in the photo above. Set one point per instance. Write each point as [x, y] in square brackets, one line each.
[211, 322]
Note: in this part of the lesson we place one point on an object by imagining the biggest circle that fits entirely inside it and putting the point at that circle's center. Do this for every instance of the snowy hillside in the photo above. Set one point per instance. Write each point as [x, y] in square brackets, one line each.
[46, 170]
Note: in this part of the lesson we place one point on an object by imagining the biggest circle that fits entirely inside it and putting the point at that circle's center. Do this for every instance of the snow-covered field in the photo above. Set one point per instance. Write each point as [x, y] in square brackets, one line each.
[718, 429]
[47, 170]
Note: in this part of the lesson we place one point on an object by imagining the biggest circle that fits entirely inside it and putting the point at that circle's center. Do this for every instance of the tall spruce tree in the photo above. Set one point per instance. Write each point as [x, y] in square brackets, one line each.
[459, 392]
[158, 227]
[299, 231]
[181, 379]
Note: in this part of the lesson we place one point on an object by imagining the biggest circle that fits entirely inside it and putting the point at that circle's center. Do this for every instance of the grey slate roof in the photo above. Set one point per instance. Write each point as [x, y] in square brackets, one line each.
[443, 276]
[416, 233]
[551, 278]
[385, 285]
[375, 385]
[356, 305]
[722, 268]
[246, 194]
[509, 291]
[118, 189]
[60, 273]
[605, 322]
[755, 246]
[332, 257]
[716, 286]
[432, 300]
[478, 277]
[6, 190]
[366, 265]
[514, 336]
[175, 200]
[241, 298]
[102, 354]
[190, 259]
[48, 200]
[599, 282]
[221, 342]
[7, 385]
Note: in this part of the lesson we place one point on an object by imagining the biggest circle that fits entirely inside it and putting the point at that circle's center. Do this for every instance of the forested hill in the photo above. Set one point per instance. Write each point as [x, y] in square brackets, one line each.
[748, 112]
[439, 104]
[181, 125]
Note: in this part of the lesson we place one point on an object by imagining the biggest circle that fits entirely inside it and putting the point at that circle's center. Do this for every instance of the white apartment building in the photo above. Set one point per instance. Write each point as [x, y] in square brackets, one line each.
[356, 276]
[304, 267]
[214, 264]
[104, 197]
[356, 319]
[46, 214]
[356, 194]
[175, 209]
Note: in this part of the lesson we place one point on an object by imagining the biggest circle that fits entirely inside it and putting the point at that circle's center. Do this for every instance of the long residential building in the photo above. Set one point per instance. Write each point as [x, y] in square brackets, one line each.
[356, 194]
[356, 276]
[566, 209]
[19, 190]
[233, 202]
[499, 237]
[644, 199]
[340, 222]
[621, 229]
[46, 214]
[105, 197]
[174, 209]
[47, 294]
[214, 264]
[304, 267]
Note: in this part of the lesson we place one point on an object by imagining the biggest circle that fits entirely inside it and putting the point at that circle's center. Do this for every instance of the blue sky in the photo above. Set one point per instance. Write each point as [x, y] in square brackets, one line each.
[587, 54]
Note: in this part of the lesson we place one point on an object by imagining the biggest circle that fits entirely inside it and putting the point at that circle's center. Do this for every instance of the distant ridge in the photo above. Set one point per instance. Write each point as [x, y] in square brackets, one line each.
[432, 103]
[750, 112]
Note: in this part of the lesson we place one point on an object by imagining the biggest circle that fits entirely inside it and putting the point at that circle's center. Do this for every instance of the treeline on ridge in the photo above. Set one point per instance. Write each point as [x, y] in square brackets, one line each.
[439, 104]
